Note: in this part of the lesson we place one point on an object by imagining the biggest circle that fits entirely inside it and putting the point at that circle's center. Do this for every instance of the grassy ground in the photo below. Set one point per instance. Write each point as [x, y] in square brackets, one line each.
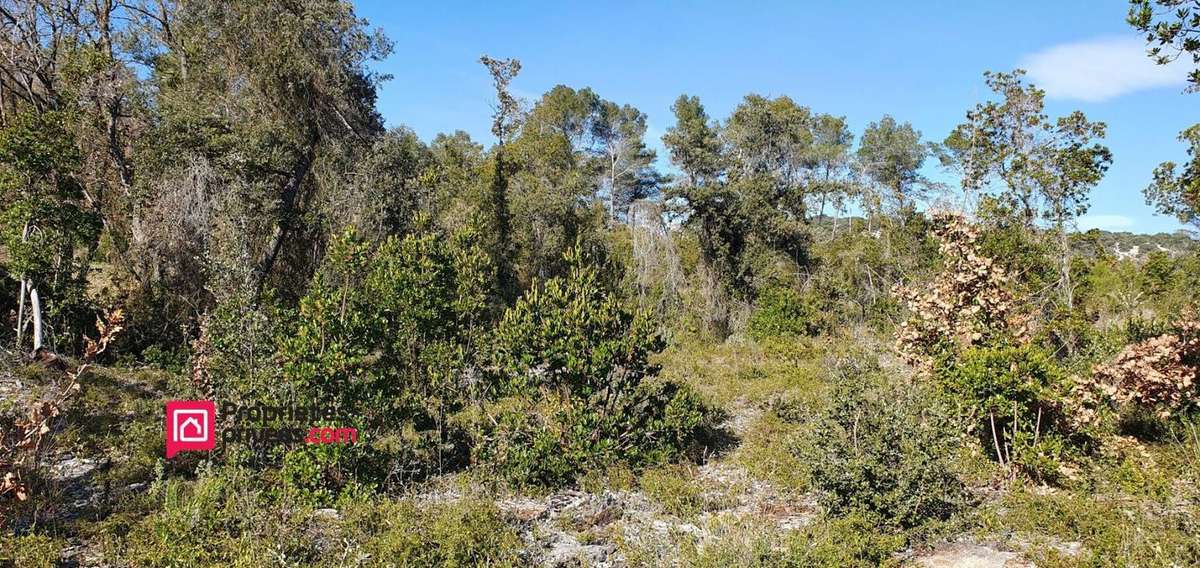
[110, 499]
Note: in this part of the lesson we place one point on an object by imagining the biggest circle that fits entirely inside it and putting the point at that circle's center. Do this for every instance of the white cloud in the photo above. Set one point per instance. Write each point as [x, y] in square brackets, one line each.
[1105, 222]
[1100, 69]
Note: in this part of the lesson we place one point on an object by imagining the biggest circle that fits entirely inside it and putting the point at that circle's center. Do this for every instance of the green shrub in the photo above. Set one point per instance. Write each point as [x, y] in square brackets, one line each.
[383, 340]
[173, 360]
[1017, 396]
[859, 267]
[317, 474]
[849, 542]
[463, 534]
[1005, 237]
[30, 551]
[574, 388]
[223, 518]
[784, 312]
[233, 359]
[883, 450]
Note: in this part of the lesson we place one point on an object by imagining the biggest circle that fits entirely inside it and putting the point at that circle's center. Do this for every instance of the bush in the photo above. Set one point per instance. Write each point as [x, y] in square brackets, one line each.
[383, 339]
[318, 474]
[784, 312]
[883, 450]
[1017, 396]
[575, 389]
[1160, 374]
[30, 551]
[466, 533]
[850, 542]
[224, 519]
[968, 303]
[859, 267]
[220, 519]
[232, 359]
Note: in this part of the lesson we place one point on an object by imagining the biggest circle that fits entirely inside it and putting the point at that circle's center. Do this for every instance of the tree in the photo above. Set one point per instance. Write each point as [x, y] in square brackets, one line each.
[1178, 194]
[505, 118]
[745, 184]
[630, 173]
[453, 178]
[1047, 168]
[800, 155]
[890, 155]
[779, 155]
[557, 168]
[507, 113]
[387, 185]
[568, 113]
[269, 102]
[44, 222]
[1172, 27]
[73, 62]
[773, 140]
[829, 162]
[771, 137]
[712, 208]
[693, 143]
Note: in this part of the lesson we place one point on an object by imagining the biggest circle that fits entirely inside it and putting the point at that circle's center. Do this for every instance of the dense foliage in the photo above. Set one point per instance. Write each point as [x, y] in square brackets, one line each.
[575, 388]
[882, 450]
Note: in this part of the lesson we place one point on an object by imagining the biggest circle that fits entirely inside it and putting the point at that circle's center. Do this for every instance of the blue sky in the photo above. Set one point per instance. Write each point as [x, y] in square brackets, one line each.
[921, 62]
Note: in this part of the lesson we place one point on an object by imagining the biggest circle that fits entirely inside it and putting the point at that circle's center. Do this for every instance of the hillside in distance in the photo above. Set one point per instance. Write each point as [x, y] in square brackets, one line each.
[1124, 244]
[1120, 244]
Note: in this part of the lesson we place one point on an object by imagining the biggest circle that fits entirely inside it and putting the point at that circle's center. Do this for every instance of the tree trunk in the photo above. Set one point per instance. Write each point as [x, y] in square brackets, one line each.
[287, 214]
[1064, 244]
[612, 190]
[35, 304]
[21, 297]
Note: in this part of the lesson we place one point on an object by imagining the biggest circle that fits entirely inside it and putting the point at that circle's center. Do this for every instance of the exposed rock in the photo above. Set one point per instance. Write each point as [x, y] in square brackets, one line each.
[757, 498]
[72, 468]
[79, 552]
[969, 555]
[326, 514]
[566, 550]
[554, 525]
[1069, 548]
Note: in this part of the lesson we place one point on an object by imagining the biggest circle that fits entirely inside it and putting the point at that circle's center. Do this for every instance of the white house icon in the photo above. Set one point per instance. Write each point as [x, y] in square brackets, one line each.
[190, 425]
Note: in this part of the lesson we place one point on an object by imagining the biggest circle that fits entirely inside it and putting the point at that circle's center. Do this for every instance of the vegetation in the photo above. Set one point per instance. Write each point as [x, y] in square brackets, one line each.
[543, 349]
[877, 451]
[576, 389]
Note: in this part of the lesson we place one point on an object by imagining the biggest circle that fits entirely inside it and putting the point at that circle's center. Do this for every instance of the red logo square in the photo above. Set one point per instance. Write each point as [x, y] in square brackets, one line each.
[190, 426]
